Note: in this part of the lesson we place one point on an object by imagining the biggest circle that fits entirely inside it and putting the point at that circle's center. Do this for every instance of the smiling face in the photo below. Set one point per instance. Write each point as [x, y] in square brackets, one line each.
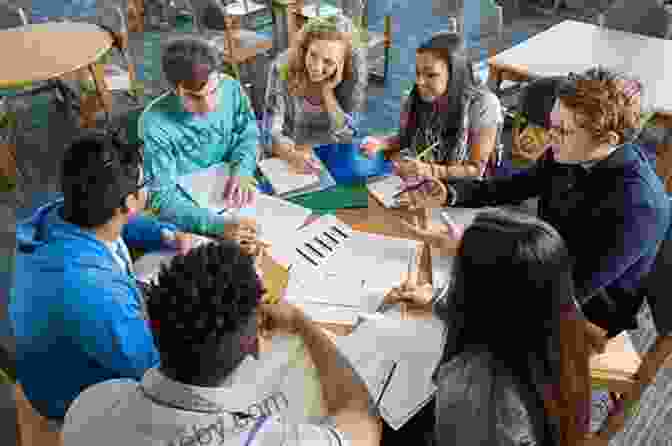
[432, 76]
[323, 58]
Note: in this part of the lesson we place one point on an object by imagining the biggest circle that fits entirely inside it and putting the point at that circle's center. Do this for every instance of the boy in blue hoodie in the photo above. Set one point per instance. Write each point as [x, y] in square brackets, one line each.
[204, 120]
[76, 310]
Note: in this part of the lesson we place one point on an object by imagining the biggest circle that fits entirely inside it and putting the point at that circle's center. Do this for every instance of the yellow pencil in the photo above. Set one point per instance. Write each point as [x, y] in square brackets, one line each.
[403, 306]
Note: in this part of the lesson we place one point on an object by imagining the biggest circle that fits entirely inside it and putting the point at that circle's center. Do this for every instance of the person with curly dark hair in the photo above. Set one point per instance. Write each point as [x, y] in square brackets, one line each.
[207, 314]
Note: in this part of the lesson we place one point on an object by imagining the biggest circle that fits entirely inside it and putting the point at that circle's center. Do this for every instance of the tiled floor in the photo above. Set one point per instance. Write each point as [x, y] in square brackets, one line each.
[43, 140]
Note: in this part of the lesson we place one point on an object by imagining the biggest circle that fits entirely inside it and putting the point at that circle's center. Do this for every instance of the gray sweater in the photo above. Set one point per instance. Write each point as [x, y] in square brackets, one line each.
[289, 118]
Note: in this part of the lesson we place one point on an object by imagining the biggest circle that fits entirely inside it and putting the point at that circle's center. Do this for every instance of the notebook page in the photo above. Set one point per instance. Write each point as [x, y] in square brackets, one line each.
[206, 186]
[334, 264]
[393, 339]
[326, 181]
[283, 179]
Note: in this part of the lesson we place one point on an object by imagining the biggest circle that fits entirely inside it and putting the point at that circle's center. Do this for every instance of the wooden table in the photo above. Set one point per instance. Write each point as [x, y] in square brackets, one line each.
[51, 50]
[614, 369]
[572, 46]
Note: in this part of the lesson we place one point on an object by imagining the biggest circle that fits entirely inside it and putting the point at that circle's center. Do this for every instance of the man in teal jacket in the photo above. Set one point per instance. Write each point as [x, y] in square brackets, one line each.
[76, 310]
[206, 119]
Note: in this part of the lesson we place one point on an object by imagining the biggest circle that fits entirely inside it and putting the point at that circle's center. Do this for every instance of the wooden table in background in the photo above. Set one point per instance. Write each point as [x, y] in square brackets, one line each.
[572, 46]
[53, 50]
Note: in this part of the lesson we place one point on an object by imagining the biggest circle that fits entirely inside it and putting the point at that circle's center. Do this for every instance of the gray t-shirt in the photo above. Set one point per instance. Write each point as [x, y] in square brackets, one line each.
[118, 412]
[481, 109]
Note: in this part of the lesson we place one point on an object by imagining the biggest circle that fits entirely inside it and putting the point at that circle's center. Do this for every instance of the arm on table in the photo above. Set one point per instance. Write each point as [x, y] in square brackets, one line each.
[166, 197]
[345, 395]
[498, 191]
[145, 233]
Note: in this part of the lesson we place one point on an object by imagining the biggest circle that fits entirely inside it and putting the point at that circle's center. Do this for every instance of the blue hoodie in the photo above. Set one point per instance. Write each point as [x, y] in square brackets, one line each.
[77, 315]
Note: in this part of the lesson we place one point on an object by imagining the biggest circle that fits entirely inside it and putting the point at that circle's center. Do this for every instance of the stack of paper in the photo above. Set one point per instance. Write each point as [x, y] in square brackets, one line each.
[326, 181]
[384, 190]
[416, 345]
[283, 179]
[335, 266]
[278, 219]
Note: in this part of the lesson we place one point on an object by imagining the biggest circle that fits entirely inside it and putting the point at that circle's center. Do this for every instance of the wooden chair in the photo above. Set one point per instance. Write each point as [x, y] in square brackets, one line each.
[236, 41]
[628, 387]
[14, 16]
[117, 78]
[299, 11]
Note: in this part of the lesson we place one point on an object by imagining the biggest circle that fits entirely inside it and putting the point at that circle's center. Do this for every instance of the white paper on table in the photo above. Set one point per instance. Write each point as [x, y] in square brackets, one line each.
[278, 219]
[416, 345]
[326, 181]
[206, 186]
[283, 179]
[359, 263]
[385, 189]
[147, 267]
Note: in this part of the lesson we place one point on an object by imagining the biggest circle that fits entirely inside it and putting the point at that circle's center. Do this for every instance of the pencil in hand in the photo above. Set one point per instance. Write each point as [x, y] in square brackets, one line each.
[411, 279]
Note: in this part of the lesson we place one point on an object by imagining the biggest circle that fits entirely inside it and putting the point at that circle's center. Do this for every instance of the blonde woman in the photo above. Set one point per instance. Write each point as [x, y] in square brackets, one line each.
[316, 89]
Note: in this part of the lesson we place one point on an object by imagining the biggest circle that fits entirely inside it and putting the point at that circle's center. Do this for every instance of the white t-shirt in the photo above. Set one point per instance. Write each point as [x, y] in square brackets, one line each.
[151, 413]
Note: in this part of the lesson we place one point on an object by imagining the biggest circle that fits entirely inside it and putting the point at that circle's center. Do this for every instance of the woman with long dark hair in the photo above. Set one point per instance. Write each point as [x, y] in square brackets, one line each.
[515, 367]
[449, 111]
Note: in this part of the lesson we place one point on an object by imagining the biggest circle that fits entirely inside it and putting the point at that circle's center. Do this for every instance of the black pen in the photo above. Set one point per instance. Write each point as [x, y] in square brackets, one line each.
[411, 188]
[388, 380]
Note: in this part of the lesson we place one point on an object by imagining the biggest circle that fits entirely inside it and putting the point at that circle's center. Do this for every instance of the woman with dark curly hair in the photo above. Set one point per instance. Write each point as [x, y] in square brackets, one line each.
[316, 90]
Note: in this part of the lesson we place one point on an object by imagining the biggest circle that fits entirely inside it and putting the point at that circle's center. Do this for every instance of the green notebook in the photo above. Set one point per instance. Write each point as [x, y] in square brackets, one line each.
[338, 197]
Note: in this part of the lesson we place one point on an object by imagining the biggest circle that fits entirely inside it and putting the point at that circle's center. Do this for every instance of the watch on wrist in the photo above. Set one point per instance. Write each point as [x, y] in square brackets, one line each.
[452, 195]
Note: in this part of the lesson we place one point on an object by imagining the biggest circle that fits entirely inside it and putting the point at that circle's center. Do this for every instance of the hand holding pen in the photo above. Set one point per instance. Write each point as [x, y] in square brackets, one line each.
[414, 167]
[427, 193]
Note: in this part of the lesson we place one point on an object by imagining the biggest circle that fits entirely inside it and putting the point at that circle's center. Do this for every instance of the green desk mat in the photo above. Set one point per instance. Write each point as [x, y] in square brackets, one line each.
[338, 197]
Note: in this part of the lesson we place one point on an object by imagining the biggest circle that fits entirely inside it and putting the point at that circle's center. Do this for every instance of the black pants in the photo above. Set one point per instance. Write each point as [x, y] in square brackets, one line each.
[418, 431]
